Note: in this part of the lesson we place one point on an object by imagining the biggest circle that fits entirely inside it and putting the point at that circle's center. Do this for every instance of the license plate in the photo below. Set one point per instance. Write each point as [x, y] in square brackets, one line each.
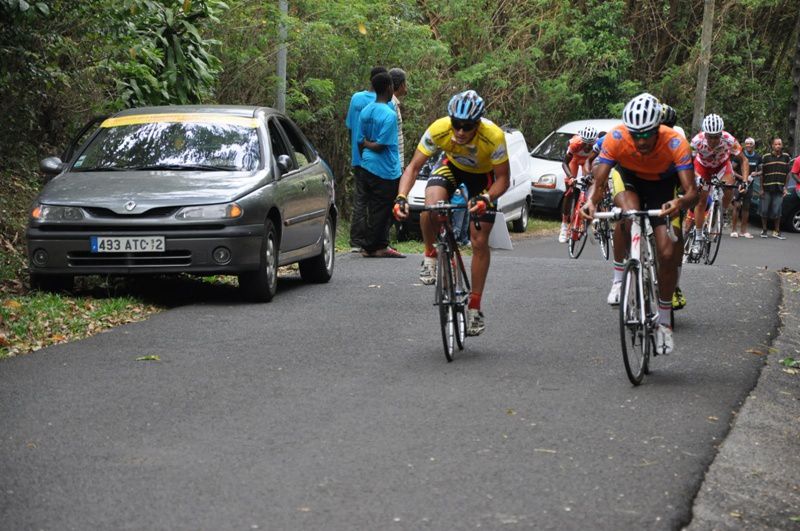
[139, 244]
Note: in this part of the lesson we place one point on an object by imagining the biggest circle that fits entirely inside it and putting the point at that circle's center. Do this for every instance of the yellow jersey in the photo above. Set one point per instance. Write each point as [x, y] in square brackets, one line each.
[486, 149]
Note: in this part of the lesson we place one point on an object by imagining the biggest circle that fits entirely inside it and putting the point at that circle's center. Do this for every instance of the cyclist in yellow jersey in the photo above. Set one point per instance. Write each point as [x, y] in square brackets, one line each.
[475, 155]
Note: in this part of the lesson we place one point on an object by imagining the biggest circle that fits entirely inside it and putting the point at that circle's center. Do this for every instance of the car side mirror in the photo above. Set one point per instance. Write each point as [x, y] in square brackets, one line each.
[51, 165]
[284, 163]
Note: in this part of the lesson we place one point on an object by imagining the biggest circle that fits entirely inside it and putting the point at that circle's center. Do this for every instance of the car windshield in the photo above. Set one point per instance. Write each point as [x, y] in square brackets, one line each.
[173, 143]
[554, 147]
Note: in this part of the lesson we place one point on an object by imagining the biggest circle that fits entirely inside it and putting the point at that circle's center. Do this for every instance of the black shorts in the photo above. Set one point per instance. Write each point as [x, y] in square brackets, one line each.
[652, 194]
[446, 175]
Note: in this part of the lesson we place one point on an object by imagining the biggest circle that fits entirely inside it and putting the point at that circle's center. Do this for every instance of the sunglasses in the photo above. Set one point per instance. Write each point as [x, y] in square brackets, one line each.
[459, 125]
[644, 135]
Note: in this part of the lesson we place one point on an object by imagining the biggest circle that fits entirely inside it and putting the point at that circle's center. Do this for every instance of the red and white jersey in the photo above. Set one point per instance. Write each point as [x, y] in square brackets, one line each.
[716, 157]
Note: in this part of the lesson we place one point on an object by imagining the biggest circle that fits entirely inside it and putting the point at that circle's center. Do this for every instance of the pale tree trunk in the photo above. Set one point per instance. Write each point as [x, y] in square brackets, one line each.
[703, 66]
[280, 98]
[794, 111]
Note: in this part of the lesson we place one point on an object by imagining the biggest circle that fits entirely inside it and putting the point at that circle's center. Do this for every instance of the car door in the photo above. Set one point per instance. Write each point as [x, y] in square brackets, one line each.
[316, 187]
[302, 188]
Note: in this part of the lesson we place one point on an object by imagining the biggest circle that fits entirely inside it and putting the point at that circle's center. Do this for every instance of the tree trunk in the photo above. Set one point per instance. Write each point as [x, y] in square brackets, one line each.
[794, 106]
[703, 66]
[280, 98]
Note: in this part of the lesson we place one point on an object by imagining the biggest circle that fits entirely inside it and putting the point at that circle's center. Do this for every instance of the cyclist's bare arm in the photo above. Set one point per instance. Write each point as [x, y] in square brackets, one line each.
[689, 198]
[600, 173]
[587, 164]
[744, 165]
[408, 178]
[502, 179]
[565, 165]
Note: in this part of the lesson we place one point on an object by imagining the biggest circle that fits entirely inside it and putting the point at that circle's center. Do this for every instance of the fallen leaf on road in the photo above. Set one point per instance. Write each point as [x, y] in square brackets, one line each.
[545, 450]
[374, 285]
[713, 418]
[151, 357]
[790, 371]
[511, 412]
[755, 351]
[736, 514]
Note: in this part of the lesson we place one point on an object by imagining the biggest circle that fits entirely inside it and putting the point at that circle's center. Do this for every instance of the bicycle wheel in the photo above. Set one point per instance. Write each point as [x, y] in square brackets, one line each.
[460, 296]
[577, 235]
[688, 242]
[715, 235]
[444, 299]
[631, 325]
[605, 237]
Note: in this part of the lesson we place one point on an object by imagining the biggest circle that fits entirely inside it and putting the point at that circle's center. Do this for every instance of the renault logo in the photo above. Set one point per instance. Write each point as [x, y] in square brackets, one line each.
[130, 205]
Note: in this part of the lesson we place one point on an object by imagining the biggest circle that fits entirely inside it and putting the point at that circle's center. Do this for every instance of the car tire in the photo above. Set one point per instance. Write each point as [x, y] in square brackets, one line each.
[521, 224]
[51, 283]
[319, 269]
[261, 285]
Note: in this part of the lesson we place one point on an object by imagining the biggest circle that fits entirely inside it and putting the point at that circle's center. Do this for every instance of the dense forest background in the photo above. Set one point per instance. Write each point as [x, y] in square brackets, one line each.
[538, 63]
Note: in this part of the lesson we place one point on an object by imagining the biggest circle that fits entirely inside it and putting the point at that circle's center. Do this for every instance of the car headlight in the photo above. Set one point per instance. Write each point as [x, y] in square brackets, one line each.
[548, 180]
[56, 213]
[226, 211]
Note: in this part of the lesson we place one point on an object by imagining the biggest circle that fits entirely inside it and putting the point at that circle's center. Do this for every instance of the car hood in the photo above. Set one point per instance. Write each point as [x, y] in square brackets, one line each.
[149, 189]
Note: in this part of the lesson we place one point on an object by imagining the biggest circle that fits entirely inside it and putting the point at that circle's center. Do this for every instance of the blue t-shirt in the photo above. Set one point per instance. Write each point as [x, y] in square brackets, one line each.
[378, 123]
[357, 103]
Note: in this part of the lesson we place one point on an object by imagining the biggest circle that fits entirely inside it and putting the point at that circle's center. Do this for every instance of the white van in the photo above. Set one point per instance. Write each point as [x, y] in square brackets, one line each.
[515, 204]
[548, 187]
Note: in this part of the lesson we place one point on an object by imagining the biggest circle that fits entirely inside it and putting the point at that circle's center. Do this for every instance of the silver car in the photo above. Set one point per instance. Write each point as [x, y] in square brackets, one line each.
[186, 189]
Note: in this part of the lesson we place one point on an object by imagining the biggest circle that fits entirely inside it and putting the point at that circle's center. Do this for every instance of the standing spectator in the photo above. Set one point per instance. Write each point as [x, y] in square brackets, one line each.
[358, 101]
[775, 168]
[380, 167]
[741, 213]
[795, 173]
[400, 90]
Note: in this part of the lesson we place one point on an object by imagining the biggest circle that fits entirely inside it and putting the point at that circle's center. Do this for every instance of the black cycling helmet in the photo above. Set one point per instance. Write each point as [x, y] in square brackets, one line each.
[668, 115]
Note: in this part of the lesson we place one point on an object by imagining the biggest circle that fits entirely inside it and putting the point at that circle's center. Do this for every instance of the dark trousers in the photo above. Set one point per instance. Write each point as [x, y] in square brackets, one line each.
[358, 220]
[379, 196]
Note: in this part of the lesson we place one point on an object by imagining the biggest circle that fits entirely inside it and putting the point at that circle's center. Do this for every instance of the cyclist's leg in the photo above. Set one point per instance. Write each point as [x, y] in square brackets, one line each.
[439, 188]
[626, 199]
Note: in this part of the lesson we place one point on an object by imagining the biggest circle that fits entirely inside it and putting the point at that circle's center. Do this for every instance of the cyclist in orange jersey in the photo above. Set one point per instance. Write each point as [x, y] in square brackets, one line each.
[652, 160]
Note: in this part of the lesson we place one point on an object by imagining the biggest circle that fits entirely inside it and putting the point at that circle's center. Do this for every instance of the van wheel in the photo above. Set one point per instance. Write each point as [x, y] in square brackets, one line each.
[521, 224]
[261, 285]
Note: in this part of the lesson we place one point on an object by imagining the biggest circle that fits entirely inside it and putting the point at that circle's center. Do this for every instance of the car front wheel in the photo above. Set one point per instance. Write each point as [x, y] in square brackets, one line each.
[261, 285]
[319, 269]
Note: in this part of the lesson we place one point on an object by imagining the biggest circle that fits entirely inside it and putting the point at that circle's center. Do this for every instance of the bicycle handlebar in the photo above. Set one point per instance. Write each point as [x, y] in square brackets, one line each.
[443, 207]
[618, 213]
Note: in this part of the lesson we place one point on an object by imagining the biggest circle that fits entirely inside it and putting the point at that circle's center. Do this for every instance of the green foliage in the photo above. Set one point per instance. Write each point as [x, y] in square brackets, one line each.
[169, 60]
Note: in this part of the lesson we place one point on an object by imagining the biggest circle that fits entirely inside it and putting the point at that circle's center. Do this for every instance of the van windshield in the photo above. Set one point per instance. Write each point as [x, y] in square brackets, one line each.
[554, 147]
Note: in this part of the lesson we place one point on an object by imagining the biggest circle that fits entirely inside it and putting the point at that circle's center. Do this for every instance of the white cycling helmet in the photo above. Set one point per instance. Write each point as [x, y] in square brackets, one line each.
[642, 113]
[588, 134]
[713, 124]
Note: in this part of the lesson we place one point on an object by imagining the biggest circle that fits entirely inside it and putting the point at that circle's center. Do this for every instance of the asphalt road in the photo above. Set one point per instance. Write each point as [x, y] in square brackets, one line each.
[333, 407]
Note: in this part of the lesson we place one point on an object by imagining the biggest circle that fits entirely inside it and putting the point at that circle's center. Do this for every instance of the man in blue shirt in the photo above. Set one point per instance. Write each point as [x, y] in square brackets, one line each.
[380, 167]
[358, 101]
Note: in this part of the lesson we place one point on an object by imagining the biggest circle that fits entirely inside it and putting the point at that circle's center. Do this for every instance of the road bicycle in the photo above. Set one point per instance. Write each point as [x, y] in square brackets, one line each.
[712, 229]
[638, 305]
[578, 225]
[452, 281]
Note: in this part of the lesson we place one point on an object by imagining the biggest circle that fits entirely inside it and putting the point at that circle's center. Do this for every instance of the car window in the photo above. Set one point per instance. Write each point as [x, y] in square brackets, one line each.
[131, 143]
[554, 147]
[301, 148]
[278, 143]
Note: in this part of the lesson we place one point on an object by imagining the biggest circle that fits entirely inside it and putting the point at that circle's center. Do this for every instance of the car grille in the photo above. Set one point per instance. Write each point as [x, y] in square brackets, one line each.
[160, 212]
[120, 229]
[168, 258]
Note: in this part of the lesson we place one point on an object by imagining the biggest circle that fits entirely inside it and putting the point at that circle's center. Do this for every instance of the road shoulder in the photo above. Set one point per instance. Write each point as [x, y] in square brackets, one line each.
[754, 481]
